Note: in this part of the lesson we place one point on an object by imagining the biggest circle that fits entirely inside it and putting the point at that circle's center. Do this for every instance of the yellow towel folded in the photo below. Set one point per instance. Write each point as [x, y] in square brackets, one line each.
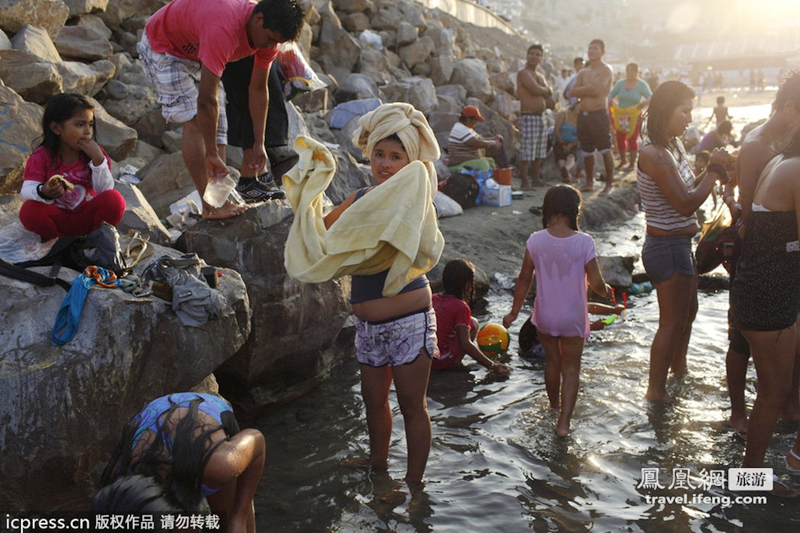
[392, 227]
[410, 125]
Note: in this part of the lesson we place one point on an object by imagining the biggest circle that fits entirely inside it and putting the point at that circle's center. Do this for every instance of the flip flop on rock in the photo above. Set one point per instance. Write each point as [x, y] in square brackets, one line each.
[137, 249]
[795, 471]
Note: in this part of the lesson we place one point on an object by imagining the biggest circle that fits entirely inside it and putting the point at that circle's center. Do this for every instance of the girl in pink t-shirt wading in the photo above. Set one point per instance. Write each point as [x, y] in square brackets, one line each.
[564, 259]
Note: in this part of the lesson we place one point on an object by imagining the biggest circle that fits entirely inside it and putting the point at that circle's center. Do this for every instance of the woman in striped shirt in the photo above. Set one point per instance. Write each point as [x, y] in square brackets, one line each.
[670, 195]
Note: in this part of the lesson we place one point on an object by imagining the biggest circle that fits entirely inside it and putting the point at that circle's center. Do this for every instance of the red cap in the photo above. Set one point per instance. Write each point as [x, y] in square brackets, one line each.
[472, 111]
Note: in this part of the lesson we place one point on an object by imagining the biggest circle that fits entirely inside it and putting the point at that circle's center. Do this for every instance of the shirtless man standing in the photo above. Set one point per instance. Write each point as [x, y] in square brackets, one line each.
[592, 87]
[532, 89]
[760, 146]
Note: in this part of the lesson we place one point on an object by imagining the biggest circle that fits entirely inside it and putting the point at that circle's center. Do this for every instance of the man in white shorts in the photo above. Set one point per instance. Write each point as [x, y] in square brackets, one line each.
[184, 49]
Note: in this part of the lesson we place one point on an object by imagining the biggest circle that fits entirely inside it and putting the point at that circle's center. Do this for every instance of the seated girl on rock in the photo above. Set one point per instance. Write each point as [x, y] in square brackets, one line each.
[67, 185]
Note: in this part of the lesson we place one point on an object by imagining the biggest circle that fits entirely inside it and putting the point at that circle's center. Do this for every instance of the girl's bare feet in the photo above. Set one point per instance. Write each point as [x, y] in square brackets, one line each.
[365, 463]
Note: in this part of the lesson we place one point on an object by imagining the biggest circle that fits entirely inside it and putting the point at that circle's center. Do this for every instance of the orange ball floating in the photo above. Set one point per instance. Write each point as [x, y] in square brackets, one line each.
[493, 338]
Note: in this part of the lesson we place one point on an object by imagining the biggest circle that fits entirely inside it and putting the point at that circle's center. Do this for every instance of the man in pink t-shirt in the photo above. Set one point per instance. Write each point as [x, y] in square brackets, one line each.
[184, 49]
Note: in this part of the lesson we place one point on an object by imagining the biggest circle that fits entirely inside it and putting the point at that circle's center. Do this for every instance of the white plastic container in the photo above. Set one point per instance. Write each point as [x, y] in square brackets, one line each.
[218, 190]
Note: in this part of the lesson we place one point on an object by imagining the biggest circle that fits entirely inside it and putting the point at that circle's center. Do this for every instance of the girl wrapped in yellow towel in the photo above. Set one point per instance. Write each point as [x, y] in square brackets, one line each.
[387, 237]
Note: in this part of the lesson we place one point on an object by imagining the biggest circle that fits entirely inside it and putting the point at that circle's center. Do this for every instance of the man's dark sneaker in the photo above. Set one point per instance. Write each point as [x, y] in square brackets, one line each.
[268, 179]
[252, 191]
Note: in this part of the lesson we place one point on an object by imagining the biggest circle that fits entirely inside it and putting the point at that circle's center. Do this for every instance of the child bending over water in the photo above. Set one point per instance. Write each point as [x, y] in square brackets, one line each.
[456, 328]
[564, 258]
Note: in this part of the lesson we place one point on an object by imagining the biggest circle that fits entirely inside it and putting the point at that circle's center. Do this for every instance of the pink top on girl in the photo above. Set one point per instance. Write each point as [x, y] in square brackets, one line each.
[88, 180]
[560, 308]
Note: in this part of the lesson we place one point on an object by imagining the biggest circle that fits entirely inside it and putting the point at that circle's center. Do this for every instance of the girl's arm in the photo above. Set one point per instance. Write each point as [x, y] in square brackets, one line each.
[521, 289]
[659, 164]
[334, 215]
[102, 180]
[471, 349]
[240, 460]
[30, 191]
[596, 308]
[36, 174]
[596, 281]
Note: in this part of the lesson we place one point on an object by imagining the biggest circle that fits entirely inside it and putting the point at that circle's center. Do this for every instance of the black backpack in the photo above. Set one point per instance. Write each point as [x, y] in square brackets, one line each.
[462, 188]
[100, 248]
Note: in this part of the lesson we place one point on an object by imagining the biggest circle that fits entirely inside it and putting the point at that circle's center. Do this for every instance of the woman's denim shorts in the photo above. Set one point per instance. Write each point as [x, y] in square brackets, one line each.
[665, 256]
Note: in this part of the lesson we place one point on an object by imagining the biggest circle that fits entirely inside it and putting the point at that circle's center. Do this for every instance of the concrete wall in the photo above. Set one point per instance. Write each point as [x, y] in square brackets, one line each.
[469, 11]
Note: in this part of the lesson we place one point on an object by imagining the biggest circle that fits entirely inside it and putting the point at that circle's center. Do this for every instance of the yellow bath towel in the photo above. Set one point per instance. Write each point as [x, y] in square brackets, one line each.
[392, 227]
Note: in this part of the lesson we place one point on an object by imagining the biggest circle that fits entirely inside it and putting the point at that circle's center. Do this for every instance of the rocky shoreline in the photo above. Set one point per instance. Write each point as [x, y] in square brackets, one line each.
[278, 337]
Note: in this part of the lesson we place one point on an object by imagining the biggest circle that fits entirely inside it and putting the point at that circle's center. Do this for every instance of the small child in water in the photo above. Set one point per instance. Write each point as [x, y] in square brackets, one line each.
[720, 113]
[456, 329]
[564, 258]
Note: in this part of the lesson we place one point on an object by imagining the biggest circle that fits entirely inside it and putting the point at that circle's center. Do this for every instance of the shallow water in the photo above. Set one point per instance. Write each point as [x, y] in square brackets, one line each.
[496, 463]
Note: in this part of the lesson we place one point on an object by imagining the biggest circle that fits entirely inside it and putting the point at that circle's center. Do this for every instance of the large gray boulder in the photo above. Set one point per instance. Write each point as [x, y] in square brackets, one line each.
[32, 78]
[416, 91]
[406, 33]
[414, 16]
[137, 102]
[83, 7]
[165, 180]
[96, 23]
[64, 405]
[20, 126]
[373, 63]
[297, 335]
[118, 139]
[417, 52]
[140, 216]
[82, 78]
[386, 18]
[5, 42]
[36, 41]
[357, 87]
[355, 22]
[442, 39]
[84, 43]
[617, 270]
[441, 68]
[336, 45]
[354, 6]
[120, 10]
[472, 74]
[48, 14]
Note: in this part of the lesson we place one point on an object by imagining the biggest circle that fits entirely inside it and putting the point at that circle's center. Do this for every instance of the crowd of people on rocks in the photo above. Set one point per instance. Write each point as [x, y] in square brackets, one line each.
[185, 447]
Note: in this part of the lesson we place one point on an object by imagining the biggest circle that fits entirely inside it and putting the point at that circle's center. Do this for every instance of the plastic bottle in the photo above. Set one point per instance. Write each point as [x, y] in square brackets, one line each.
[218, 189]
